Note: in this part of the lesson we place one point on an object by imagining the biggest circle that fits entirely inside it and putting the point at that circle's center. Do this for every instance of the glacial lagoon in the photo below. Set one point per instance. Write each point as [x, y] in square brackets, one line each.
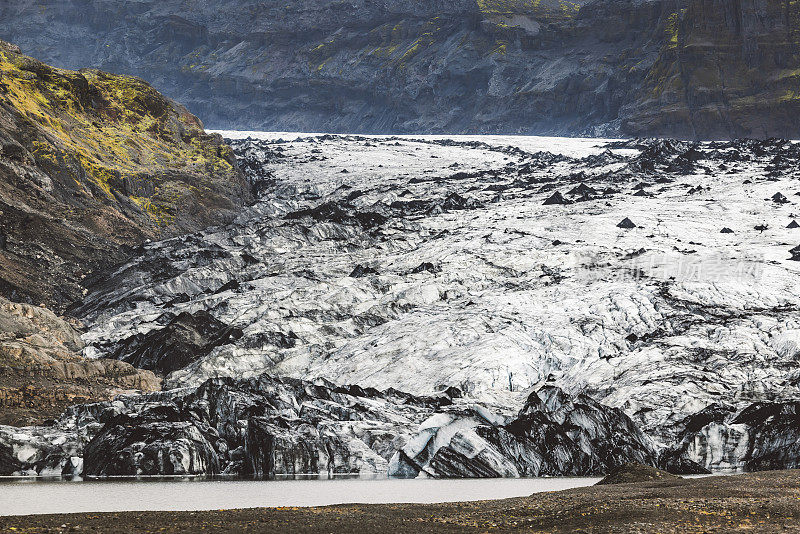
[23, 496]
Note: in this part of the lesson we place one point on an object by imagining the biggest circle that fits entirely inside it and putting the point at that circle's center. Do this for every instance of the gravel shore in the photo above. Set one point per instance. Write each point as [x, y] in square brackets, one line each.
[759, 502]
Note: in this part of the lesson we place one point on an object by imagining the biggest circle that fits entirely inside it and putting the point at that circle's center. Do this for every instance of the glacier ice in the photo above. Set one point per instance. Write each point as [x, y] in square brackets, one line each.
[435, 263]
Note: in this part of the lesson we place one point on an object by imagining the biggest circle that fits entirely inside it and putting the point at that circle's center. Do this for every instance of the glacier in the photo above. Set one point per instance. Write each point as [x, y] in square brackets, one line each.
[431, 264]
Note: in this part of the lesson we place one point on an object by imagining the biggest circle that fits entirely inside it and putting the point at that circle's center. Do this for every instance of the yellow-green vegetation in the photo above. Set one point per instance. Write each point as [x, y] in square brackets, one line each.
[793, 19]
[390, 40]
[194, 62]
[115, 129]
[508, 7]
[788, 75]
[501, 48]
[710, 78]
[394, 44]
[789, 95]
[672, 30]
[569, 9]
[662, 79]
[427, 37]
[320, 55]
[540, 9]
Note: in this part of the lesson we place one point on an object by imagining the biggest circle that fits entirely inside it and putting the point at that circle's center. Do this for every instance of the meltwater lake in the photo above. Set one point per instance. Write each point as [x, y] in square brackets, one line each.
[36, 496]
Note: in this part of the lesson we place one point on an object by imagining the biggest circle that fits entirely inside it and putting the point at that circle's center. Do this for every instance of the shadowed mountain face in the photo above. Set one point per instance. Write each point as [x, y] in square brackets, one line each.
[686, 68]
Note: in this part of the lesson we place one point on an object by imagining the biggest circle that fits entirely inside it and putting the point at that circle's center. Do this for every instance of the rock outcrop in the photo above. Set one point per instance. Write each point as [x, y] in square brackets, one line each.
[183, 340]
[91, 166]
[687, 68]
[728, 68]
[762, 436]
[42, 371]
[158, 440]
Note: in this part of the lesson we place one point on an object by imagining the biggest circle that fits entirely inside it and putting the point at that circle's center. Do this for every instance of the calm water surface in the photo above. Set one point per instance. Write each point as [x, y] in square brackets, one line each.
[27, 496]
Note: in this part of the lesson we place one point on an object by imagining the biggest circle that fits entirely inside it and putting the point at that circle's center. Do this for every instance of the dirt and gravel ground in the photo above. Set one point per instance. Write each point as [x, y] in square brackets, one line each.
[761, 502]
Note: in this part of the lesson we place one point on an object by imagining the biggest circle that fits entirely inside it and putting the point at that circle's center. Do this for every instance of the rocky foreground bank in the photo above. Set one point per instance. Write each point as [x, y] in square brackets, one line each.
[762, 502]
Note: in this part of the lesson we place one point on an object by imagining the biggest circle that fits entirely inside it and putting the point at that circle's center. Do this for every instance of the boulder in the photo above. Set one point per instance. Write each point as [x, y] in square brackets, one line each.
[361, 271]
[779, 198]
[454, 201]
[556, 199]
[582, 190]
[425, 266]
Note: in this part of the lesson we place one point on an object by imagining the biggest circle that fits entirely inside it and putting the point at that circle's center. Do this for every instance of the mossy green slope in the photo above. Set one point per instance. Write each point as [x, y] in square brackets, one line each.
[92, 164]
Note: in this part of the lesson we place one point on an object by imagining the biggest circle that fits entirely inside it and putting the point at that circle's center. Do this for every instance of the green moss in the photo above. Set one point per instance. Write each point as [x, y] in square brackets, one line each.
[507, 7]
[320, 55]
[789, 95]
[391, 41]
[112, 126]
[427, 37]
[569, 9]
[154, 210]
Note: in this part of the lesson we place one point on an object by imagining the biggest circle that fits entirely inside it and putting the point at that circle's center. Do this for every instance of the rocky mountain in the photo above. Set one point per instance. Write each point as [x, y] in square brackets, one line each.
[682, 68]
[91, 166]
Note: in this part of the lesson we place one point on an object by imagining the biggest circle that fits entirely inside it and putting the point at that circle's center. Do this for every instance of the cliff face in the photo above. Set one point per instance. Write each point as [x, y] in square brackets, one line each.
[92, 164]
[730, 68]
[689, 68]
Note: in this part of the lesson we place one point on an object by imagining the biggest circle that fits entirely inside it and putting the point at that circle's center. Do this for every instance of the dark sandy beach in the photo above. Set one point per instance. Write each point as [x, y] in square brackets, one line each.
[760, 502]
